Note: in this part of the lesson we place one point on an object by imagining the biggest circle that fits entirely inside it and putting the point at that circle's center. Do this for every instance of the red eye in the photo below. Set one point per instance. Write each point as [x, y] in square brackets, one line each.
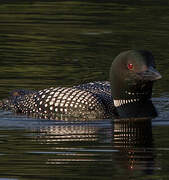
[130, 66]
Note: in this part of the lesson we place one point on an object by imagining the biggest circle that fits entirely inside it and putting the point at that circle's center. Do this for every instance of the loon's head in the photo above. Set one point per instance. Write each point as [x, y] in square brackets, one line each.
[131, 76]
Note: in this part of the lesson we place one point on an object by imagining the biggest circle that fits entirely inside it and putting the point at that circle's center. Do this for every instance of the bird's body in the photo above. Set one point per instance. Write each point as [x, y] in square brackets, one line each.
[86, 101]
[128, 92]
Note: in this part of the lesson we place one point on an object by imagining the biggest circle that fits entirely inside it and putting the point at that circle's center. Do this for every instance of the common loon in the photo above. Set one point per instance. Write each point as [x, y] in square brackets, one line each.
[128, 94]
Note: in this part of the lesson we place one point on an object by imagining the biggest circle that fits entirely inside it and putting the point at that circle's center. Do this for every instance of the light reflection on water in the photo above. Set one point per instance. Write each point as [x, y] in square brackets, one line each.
[124, 144]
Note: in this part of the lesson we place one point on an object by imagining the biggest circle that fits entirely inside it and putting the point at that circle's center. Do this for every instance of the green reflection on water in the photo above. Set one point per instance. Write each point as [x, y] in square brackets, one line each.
[51, 43]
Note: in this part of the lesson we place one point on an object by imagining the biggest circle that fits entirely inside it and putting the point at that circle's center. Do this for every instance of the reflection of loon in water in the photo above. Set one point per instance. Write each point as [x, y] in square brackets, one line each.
[129, 142]
[134, 137]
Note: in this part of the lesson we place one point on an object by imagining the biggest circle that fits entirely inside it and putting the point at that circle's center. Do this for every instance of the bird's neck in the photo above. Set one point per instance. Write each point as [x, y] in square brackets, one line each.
[134, 102]
[135, 108]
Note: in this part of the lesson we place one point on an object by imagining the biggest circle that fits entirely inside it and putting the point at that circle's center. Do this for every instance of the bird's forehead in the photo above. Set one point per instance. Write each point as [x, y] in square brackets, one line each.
[139, 59]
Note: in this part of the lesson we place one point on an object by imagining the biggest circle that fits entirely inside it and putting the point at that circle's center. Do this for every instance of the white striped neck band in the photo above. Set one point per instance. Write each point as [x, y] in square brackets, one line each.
[120, 102]
[134, 93]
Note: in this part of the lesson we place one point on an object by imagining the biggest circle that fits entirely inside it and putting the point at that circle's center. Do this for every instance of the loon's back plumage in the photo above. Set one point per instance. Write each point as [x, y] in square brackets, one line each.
[86, 101]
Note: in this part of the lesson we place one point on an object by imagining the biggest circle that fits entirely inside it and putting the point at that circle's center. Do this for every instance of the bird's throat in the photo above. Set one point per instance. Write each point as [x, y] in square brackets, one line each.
[135, 108]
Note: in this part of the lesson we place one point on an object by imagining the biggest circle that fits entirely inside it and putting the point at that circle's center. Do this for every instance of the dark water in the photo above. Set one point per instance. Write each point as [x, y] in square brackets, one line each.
[45, 44]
